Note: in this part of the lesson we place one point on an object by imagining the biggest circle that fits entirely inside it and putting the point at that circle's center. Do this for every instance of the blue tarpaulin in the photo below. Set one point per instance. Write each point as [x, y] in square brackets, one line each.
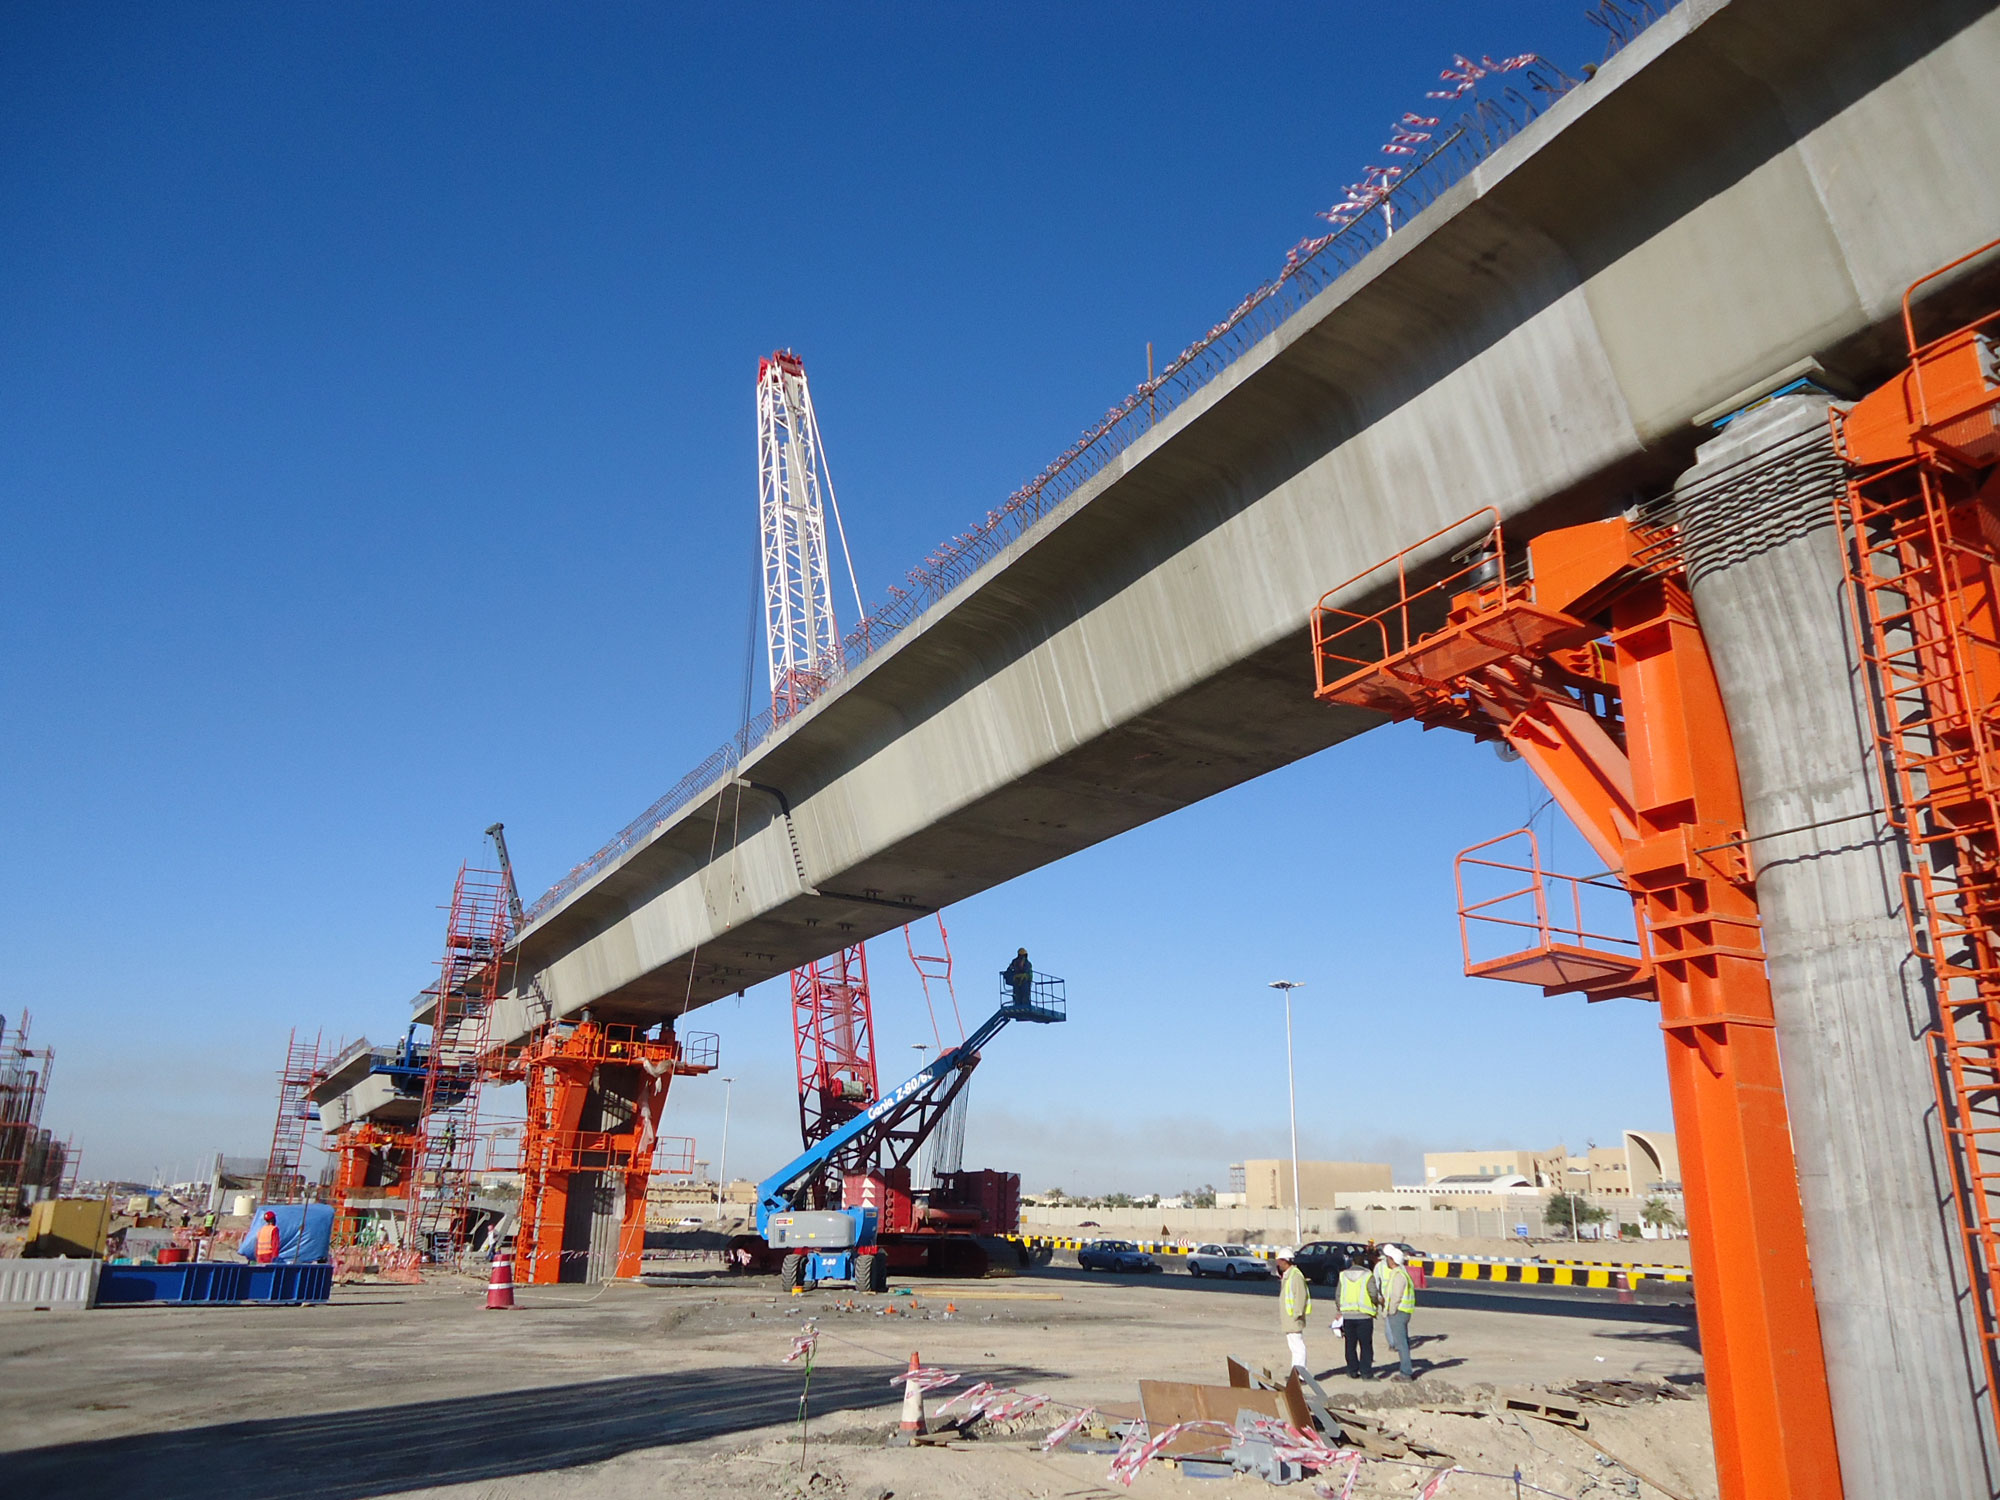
[305, 1232]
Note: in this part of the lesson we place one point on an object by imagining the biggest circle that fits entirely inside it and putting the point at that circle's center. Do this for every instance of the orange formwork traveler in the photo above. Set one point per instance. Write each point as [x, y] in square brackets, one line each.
[1589, 662]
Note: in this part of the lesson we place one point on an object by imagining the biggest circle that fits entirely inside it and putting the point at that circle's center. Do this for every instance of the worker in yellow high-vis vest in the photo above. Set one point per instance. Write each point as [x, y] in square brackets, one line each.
[1399, 1300]
[1294, 1304]
[1360, 1302]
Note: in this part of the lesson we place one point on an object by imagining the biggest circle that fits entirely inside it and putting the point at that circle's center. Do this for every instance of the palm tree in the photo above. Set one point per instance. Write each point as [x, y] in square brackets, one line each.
[1659, 1214]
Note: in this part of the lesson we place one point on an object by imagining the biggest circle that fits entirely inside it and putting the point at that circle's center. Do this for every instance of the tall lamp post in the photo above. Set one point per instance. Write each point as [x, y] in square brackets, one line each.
[722, 1165]
[1292, 1095]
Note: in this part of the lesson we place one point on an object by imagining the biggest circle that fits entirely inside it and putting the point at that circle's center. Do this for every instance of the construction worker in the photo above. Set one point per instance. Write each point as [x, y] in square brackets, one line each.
[1360, 1302]
[1399, 1300]
[267, 1239]
[1294, 1303]
[1020, 975]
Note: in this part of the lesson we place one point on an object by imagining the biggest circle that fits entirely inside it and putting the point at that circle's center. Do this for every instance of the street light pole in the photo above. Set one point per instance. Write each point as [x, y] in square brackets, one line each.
[1292, 1094]
[722, 1165]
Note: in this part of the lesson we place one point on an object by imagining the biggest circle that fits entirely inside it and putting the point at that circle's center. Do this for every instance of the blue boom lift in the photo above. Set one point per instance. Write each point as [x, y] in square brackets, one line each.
[851, 1243]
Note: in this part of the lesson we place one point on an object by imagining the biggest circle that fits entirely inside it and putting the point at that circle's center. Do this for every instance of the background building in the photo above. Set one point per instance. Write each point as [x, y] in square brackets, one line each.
[1268, 1183]
[1644, 1164]
[1543, 1169]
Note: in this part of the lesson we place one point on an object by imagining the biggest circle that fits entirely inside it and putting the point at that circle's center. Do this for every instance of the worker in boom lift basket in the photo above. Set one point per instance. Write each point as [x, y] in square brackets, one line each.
[1294, 1303]
[1020, 977]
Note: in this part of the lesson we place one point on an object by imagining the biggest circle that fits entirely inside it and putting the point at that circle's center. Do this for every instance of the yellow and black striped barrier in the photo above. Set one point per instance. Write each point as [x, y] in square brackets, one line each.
[1602, 1274]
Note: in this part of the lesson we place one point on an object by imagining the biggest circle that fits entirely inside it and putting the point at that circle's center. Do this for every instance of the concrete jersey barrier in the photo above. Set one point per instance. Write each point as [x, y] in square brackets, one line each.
[34, 1285]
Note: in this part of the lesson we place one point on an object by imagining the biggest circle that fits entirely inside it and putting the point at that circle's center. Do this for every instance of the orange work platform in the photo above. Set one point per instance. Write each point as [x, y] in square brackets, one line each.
[1586, 658]
[595, 1092]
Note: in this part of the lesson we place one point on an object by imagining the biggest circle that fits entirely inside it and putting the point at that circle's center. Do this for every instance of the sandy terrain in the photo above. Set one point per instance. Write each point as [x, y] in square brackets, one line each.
[681, 1390]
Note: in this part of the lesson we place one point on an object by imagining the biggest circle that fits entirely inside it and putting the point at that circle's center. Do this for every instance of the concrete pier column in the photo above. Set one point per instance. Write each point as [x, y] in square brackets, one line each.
[1907, 1379]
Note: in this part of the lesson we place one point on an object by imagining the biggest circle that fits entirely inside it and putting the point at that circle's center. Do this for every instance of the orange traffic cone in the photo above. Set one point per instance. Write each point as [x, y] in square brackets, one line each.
[500, 1290]
[913, 1401]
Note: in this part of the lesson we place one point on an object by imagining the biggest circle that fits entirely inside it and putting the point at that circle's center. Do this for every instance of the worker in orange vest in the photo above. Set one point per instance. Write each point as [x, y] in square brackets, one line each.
[267, 1239]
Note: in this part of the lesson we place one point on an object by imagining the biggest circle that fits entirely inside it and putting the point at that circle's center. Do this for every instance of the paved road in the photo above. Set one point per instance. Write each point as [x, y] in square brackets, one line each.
[1670, 1304]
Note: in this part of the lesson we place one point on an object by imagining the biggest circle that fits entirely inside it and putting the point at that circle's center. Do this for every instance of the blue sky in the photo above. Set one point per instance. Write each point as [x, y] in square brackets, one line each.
[376, 452]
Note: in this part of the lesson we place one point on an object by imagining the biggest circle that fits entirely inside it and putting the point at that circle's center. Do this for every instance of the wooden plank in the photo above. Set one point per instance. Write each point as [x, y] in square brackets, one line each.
[1167, 1402]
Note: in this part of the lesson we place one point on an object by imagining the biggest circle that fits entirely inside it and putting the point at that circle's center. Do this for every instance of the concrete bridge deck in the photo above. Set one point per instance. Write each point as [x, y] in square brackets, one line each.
[1740, 196]
[1749, 186]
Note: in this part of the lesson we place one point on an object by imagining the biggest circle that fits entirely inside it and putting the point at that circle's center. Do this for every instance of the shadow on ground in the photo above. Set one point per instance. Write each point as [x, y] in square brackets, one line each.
[350, 1455]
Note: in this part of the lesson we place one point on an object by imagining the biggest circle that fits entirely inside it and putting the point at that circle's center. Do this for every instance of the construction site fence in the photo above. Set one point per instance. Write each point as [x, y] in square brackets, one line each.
[1310, 268]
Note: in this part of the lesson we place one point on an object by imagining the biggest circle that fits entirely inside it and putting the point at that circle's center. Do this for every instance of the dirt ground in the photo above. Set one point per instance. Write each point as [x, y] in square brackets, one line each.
[680, 1390]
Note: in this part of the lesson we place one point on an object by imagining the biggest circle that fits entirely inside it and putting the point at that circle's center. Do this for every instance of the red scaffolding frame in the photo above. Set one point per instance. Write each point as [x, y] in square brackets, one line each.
[284, 1179]
[443, 1154]
[24, 1082]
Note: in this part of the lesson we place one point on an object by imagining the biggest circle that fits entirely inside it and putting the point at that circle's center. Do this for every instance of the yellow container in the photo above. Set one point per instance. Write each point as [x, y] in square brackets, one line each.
[67, 1226]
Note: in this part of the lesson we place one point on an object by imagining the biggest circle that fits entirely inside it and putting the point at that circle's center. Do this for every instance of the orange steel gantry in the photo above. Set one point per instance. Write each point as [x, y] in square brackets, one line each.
[595, 1092]
[1590, 663]
[1921, 519]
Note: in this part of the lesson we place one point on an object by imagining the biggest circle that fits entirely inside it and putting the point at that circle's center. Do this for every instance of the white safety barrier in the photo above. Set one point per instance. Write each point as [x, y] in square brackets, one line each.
[29, 1285]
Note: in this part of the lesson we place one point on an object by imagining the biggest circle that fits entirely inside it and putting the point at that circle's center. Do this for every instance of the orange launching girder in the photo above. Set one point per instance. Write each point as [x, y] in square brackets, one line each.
[1590, 663]
[595, 1092]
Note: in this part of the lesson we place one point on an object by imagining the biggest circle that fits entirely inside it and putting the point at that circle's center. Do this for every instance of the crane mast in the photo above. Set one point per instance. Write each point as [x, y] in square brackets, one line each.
[794, 492]
[833, 1027]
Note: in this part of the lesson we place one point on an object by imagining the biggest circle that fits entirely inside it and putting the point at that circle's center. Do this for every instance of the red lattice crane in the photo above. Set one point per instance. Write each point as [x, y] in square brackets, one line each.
[833, 1025]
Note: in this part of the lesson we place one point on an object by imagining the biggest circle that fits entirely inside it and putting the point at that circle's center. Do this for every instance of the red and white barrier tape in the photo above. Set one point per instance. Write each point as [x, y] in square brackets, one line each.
[998, 1403]
[804, 1344]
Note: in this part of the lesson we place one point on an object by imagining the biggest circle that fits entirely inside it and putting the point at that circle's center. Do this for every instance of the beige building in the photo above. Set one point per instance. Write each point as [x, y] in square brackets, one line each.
[1542, 1169]
[1644, 1164]
[1268, 1184]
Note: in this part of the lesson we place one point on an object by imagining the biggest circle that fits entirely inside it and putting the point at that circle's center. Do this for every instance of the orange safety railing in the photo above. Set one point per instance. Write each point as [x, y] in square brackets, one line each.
[1547, 950]
[1348, 643]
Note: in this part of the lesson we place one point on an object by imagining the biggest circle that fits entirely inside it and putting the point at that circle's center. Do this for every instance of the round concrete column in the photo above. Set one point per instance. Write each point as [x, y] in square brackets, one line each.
[1903, 1363]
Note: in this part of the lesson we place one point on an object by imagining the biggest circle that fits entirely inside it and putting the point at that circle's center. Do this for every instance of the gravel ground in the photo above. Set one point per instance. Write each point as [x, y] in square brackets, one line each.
[680, 1390]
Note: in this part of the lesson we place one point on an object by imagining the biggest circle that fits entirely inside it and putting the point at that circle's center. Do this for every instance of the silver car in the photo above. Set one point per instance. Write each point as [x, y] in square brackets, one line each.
[1226, 1260]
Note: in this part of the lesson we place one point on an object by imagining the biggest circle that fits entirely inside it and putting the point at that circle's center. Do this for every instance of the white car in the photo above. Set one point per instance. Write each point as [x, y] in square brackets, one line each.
[1226, 1260]
[689, 1223]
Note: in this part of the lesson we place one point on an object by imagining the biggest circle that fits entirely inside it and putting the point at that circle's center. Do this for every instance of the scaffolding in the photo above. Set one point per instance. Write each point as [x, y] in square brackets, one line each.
[284, 1179]
[470, 980]
[1920, 520]
[24, 1083]
[590, 1143]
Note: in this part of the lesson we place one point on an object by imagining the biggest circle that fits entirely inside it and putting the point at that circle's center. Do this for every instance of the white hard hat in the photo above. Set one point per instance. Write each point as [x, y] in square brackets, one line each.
[1284, 1252]
[1393, 1253]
